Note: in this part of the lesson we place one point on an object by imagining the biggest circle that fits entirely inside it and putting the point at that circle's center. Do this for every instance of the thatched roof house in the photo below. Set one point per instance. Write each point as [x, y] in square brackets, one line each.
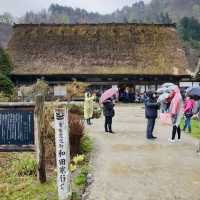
[126, 51]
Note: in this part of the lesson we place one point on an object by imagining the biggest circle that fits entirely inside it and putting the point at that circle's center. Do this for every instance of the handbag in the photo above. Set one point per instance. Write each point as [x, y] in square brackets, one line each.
[166, 118]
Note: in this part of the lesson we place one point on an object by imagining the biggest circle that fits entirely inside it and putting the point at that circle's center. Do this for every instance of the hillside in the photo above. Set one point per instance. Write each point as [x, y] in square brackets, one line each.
[176, 9]
[158, 11]
[5, 34]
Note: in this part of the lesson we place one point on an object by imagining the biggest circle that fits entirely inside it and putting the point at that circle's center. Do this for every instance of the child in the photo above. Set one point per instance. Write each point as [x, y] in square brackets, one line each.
[188, 112]
[108, 111]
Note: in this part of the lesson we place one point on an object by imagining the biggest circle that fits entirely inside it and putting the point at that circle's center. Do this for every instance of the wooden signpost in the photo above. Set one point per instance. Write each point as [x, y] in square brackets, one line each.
[17, 127]
[39, 138]
[62, 153]
[20, 130]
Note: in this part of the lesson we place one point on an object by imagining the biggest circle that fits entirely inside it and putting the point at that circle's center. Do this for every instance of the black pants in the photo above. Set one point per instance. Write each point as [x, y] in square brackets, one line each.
[108, 123]
[150, 127]
[88, 121]
[176, 130]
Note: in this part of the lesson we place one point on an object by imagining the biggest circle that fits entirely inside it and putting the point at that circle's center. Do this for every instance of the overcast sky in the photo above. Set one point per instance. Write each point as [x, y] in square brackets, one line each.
[19, 7]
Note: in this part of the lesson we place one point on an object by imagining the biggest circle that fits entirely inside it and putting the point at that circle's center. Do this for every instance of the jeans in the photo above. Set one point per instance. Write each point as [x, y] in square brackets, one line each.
[187, 123]
[150, 127]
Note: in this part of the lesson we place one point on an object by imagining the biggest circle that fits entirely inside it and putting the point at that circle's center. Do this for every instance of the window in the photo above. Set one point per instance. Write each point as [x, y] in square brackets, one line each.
[185, 84]
[60, 91]
[196, 84]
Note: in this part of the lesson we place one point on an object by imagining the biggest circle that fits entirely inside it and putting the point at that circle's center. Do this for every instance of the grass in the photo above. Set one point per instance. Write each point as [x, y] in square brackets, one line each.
[20, 183]
[195, 128]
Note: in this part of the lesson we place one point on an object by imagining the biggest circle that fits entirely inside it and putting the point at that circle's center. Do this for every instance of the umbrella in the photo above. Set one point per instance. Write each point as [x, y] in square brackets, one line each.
[194, 92]
[171, 88]
[163, 97]
[189, 89]
[166, 89]
[108, 94]
[161, 90]
[167, 85]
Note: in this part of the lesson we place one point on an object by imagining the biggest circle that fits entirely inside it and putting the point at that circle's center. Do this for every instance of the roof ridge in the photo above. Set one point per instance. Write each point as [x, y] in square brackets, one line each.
[97, 24]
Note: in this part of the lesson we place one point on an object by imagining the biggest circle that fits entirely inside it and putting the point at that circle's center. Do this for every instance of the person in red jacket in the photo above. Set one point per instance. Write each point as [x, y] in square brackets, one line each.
[188, 113]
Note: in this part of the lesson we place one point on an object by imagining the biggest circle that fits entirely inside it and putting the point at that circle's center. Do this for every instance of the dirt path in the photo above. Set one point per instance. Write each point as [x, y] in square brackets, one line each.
[128, 167]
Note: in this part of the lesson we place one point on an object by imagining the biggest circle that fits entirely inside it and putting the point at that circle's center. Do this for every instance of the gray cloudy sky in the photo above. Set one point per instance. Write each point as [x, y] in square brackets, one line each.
[19, 7]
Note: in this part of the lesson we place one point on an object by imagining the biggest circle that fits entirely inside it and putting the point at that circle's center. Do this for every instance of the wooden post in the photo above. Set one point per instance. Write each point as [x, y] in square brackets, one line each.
[39, 138]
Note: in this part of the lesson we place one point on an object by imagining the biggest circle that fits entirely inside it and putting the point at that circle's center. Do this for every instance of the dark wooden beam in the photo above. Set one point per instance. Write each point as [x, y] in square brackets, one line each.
[17, 148]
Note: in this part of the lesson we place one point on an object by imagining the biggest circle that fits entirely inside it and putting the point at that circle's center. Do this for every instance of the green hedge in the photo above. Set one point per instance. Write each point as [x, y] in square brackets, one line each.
[6, 85]
[5, 65]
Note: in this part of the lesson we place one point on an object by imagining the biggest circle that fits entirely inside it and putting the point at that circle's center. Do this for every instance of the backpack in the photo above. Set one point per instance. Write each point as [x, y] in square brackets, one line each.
[189, 113]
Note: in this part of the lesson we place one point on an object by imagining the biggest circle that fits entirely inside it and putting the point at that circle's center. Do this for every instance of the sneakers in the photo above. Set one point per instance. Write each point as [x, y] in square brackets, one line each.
[111, 132]
[172, 141]
[152, 138]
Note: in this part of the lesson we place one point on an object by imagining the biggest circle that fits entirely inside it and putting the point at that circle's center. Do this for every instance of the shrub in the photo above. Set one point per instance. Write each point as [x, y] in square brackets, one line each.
[5, 66]
[97, 112]
[76, 89]
[76, 109]
[6, 85]
[41, 87]
[76, 126]
[81, 179]
[24, 165]
[3, 97]
[78, 159]
[49, 132]
[86, 145]
[75, 196]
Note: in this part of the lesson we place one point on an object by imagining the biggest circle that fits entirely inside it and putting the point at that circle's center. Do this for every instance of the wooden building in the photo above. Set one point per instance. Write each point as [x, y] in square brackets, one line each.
[141, 56]
[197, 72]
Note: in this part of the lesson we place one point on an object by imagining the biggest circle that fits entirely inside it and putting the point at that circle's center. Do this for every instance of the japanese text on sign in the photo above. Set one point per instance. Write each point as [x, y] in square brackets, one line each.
[62, 153]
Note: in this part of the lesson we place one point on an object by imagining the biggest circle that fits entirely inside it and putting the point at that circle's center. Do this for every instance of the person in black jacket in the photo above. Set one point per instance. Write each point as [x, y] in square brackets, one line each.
[108, 111]
[151, 113]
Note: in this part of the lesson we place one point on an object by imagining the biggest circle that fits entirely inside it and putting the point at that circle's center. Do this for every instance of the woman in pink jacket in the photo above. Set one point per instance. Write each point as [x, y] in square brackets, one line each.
[175, 110]
[188, 112]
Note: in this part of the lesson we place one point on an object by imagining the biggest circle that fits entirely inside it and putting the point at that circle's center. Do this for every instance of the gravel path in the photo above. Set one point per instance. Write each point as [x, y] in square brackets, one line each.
[128, 167]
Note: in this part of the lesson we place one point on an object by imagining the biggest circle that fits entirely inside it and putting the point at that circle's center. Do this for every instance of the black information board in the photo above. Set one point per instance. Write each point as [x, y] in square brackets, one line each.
[16, 127]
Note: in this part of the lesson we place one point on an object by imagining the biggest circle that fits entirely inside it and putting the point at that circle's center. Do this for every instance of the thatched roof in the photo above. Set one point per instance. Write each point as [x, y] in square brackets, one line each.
[97, 49]
[197, 71]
